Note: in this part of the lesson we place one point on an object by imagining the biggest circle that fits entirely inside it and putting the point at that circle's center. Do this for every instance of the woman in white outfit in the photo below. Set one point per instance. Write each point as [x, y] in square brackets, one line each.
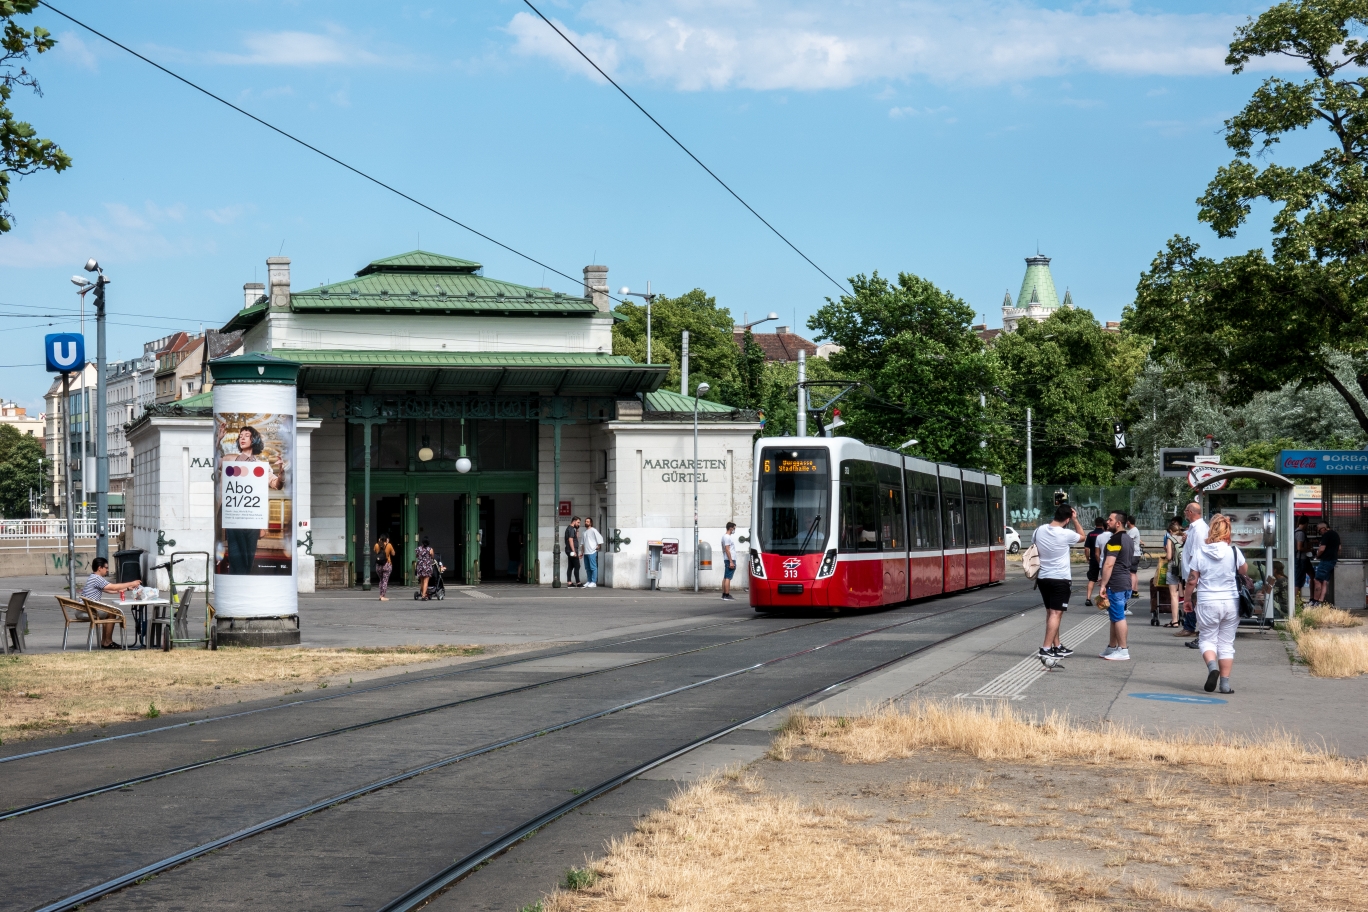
[1213, 579]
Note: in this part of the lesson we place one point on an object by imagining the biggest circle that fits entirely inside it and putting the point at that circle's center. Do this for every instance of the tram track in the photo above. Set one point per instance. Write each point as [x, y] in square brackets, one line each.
[371, 723]
[452, 873]
[355, 692]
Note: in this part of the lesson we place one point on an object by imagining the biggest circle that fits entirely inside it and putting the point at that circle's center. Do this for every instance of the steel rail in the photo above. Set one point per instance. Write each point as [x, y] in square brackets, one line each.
[470, 669]
[358, 726]
[124, 880]
[419, 895]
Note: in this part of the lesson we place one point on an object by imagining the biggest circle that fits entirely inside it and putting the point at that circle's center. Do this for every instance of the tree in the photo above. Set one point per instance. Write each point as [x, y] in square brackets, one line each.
[747, 391]
[778, 399]
[712, 353]
[1075, 377]
[915, 346]
[1253, 323]
[20, 470]
[21, 151]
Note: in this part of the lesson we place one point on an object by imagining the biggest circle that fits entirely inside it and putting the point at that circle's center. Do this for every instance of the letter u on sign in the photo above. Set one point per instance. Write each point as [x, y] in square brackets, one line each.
[64, 352]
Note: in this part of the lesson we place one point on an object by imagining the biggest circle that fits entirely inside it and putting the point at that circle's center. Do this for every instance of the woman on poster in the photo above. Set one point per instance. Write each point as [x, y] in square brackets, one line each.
[242, 543]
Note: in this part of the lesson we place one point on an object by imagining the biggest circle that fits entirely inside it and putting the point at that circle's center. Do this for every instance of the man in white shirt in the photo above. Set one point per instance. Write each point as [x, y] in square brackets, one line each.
[591, 540]
[1197, 532]
[728, 561]
[1055, 580]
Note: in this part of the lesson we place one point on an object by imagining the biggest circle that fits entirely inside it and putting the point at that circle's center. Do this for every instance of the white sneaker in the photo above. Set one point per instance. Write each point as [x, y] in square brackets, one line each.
[1129, 612]
[1106, 653]
[591, 585]
[1117, 655]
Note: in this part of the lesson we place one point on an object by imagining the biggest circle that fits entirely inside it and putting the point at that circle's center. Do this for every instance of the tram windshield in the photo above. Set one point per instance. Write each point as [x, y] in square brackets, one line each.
[794, 500]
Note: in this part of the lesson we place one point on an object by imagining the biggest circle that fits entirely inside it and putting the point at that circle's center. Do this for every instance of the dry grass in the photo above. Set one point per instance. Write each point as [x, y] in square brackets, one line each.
[1327, 616]
[996, 732]
[50, 692]
[1330, 655]
[717, 848]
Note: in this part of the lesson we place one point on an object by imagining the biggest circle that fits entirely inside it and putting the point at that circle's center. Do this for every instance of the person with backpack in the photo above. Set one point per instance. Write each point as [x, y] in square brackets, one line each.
[1054, 575]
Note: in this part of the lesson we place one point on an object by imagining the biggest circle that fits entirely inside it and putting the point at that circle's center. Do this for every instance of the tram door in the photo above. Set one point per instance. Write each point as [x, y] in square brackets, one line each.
[485, 534]
[461, 532]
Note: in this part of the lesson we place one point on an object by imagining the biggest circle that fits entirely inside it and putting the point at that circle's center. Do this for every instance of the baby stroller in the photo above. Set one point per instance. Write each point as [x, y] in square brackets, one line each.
[436, 587]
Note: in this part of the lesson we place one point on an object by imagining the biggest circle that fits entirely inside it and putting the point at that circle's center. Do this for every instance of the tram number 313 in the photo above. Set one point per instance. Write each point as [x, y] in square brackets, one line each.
[791, 568]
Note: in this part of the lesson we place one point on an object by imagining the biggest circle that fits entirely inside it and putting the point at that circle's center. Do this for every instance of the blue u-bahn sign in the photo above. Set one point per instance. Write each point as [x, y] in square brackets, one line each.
[64, 352]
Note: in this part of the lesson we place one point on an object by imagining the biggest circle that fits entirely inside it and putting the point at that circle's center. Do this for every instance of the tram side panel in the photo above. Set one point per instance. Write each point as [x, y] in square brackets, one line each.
[997, 522]
[952, 531]
[926, 568]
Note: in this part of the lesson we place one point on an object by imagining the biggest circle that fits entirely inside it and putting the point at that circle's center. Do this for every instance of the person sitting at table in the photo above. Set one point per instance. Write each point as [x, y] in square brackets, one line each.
[96, 585]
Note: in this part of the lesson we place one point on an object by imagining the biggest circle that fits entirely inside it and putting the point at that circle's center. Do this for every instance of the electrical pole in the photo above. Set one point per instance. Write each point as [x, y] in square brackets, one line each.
[802, 393]
[64, 415]
[684, 365]
[101, 431]
[1029, 480]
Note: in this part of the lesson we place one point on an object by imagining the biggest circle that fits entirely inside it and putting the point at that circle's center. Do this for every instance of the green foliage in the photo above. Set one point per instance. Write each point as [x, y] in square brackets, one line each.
[779, 396]
[913, 344]
[1076, 378]
[1252, 324]
[580, 878]
[20, 470]
[747, 391]
[21, 151]
[712, 352]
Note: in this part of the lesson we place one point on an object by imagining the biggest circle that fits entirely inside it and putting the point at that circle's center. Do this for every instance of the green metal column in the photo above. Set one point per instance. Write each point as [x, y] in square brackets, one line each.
[472, 524]
[369, 414]
[410, 536]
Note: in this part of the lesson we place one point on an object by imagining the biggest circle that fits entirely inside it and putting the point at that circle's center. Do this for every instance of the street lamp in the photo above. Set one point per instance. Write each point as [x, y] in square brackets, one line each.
[700, 391]
[772, 316]
[101, 444]
[911, 443]
[649, 298]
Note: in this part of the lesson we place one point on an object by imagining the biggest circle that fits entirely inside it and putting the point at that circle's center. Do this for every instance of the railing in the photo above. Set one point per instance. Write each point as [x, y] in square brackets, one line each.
[54, 528]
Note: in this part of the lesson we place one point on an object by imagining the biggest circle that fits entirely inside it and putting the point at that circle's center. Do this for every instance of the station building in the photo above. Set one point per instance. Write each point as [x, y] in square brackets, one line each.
[420, 362]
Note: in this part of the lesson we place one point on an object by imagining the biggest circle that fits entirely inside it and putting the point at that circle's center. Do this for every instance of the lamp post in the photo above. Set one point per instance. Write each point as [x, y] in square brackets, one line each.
[699, 391]
[649, 298]
[101, 443]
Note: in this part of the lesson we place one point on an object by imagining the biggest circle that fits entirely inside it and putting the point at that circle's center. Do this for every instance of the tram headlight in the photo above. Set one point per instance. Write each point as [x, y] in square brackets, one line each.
[828, 565]
[757, 565]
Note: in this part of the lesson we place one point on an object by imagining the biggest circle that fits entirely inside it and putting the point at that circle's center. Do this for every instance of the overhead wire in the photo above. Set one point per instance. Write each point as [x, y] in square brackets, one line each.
[312, 148]
[684, 148]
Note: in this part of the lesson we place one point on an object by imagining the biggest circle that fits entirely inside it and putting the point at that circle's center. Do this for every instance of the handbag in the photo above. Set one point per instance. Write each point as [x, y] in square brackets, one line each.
[1242, 586]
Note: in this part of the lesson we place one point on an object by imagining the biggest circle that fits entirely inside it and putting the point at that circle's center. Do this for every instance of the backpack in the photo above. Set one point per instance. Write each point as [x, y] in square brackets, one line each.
[1030, 560]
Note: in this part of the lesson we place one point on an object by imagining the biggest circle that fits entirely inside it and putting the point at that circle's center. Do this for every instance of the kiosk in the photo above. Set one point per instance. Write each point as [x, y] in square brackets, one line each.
[1344, 507]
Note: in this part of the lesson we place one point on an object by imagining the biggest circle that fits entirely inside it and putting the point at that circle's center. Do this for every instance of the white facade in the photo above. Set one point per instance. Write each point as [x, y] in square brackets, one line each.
[82, 382]
[129, 390]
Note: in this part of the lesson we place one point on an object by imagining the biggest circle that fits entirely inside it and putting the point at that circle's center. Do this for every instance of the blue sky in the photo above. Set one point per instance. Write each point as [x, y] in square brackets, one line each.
[943, 139]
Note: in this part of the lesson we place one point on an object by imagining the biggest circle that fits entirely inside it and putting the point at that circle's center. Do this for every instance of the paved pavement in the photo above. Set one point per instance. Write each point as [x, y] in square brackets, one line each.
[488, 615]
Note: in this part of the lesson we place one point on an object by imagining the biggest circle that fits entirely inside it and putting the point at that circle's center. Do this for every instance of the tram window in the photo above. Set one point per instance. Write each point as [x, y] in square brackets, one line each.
[976, 514]
[923, 512]
[891, 518]
[793, 498]
[859, 506]
[996, 518]
[952, 513]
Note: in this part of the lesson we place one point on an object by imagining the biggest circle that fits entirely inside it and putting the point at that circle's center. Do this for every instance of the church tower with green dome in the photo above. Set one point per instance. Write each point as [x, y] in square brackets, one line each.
[1037, 298]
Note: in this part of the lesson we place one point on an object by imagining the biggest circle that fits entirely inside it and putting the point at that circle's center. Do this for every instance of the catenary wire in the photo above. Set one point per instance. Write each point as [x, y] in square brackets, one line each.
[312, 148]
[675, 140]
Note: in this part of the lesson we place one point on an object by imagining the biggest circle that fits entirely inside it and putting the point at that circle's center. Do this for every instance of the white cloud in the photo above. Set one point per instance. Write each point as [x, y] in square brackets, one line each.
[828, 44]
[121, 233]
[71, 48]
[298, 49]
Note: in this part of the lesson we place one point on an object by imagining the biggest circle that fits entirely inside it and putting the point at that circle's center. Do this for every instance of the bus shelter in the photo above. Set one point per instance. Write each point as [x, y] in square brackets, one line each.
[1262, 525]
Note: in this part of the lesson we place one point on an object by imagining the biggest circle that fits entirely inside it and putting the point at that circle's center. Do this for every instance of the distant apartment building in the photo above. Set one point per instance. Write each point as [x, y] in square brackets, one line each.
[180, 367]
[78, 412]
[15, 414]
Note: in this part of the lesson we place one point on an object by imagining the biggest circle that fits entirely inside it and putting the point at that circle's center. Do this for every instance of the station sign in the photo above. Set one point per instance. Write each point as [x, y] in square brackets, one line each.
[1170, 457]
[64, 352]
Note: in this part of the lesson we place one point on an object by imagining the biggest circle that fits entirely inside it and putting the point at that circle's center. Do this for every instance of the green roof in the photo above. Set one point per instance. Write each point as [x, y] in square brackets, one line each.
[419, 282]
[443, 372]
[670, 401]
[1037, 286]
[199, 400]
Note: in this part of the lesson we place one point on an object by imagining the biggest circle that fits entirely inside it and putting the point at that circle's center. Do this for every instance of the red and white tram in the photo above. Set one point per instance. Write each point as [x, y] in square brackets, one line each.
[837, 523]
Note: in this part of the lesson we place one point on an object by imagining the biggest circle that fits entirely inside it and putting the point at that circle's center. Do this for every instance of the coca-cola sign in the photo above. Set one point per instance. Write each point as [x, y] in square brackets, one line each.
[1323, 462]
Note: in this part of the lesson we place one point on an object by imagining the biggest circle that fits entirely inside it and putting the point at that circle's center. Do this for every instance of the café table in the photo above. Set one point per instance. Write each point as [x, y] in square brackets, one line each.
[141, 623]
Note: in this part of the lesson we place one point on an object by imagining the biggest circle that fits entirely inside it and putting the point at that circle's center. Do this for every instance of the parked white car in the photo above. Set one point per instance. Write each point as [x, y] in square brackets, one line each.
[1013, 539]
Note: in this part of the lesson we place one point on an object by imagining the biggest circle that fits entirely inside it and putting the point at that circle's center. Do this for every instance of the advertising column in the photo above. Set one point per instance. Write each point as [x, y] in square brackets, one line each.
[256, 593]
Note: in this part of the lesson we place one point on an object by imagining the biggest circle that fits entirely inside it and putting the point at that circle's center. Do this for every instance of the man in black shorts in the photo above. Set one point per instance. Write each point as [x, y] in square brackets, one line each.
[1055, 579]
[1090, 549]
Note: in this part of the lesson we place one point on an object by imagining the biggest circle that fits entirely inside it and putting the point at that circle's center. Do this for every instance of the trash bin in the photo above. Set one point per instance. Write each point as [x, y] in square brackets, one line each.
[128, 565]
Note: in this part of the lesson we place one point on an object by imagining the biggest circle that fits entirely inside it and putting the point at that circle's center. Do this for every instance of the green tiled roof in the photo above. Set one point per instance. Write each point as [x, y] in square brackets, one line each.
[199, 400]
[422, 261]
[247, 317]
[1038, 284]
[442, 372]
[670, 401]
[421, 282]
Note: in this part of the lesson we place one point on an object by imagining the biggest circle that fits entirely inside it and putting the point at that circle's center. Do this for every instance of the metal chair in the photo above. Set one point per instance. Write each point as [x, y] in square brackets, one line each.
[14, 622]
[105, 615]
[74, 612]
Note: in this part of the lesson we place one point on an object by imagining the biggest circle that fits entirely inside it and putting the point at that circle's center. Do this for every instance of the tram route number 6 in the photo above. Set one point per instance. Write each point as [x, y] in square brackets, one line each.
[791, 568]
[246, 495]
